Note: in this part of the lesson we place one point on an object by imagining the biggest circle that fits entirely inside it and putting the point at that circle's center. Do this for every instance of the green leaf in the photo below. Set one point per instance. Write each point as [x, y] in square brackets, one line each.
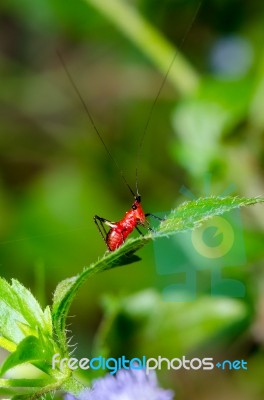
[189, 215]
[29, 350]
[9, 310]
[20, 312]
[29, 307]
[8, 323]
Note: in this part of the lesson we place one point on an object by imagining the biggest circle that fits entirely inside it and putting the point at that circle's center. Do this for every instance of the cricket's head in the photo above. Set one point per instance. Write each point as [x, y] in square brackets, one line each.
[138, 210]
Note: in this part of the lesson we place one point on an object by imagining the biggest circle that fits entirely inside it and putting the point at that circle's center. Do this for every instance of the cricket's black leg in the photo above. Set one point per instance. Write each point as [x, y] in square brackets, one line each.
[154, 216]
[101, 227]
[139, 231]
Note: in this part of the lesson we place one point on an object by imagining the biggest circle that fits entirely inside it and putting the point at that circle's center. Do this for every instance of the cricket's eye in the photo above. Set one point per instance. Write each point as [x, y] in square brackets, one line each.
[134, 207]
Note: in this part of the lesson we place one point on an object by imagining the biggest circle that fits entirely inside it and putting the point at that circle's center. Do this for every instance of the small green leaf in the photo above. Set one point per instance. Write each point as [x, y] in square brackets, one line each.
[26, 329]
[21, 315]
[28, 305]
[8, 323]
[29, 349]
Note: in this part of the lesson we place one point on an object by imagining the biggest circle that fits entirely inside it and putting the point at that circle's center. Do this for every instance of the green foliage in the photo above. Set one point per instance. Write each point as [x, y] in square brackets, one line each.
[26, 331]
[147, 319]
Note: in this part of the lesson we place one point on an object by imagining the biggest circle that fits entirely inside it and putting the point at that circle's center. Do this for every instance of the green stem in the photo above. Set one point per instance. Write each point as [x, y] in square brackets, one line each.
[150, 41]
[67, 289]
[68, 384]
[33, 383]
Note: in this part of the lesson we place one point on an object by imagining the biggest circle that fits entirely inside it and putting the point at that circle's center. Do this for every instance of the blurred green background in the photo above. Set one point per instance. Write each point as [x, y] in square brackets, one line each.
[55, 175]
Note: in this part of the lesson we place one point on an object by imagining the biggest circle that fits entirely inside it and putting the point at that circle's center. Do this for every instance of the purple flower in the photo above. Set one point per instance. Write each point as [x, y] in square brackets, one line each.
[126, 385]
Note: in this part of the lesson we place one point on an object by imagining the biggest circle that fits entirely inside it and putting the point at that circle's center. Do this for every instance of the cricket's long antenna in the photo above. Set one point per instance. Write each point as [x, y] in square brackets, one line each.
[160, 90]
[89, 115]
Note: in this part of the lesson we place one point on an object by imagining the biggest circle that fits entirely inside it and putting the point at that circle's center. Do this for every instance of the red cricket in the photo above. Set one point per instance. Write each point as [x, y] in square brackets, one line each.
[119, 230]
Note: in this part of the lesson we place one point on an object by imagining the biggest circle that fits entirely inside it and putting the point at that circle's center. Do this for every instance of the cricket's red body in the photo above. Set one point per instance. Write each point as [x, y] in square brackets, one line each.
[120, 230]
